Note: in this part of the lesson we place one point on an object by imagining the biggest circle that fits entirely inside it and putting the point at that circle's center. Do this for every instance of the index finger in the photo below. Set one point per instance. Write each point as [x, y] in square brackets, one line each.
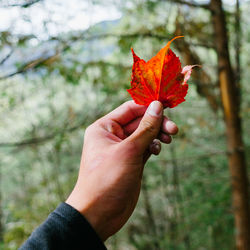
[127, 112]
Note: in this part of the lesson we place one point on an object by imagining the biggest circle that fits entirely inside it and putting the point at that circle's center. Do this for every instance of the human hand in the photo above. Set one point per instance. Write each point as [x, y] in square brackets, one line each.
[115, 149]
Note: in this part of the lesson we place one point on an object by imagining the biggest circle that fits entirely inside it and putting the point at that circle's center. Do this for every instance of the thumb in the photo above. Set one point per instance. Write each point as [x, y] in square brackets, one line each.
[148, 128]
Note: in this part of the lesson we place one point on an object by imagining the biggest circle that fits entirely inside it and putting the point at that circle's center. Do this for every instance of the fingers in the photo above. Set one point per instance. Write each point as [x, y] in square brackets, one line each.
[132, 126]
[127, 112]
[148, 128]
[130, 114]
[165, 138]
[155, 147]
[168, 128]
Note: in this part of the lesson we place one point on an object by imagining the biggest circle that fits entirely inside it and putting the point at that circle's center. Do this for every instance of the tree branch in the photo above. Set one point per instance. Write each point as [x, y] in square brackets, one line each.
[22, 5]
[6, 57]
[30, 65]
[193, 4]
[137, 35]
[42, 139]
[38, 62]
[39, 140]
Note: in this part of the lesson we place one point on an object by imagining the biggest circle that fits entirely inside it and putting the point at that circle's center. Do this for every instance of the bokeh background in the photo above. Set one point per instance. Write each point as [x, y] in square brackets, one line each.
[63, 64]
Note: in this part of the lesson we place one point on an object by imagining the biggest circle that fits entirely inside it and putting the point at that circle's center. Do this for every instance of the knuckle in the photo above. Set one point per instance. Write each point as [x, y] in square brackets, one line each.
[89, 130]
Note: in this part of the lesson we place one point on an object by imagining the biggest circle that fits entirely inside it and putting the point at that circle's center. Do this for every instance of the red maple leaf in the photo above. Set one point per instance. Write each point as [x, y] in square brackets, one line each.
[161, 78]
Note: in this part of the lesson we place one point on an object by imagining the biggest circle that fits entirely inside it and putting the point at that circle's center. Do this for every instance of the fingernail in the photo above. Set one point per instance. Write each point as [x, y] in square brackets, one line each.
[155, 109]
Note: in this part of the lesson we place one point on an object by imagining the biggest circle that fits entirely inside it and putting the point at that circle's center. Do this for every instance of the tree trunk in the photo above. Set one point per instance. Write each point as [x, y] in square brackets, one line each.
[231, 106]
[238, 35]
[237, 43]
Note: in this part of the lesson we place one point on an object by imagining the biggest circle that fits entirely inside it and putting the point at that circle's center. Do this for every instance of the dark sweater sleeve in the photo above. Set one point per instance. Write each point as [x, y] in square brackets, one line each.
[65, 228]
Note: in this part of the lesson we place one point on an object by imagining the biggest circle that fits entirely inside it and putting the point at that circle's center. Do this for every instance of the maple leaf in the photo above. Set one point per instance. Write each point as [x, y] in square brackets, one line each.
[161, 78]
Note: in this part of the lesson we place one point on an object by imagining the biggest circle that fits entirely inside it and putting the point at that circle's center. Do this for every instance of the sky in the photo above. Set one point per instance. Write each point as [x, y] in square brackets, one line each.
[55, 16]
[51, 17]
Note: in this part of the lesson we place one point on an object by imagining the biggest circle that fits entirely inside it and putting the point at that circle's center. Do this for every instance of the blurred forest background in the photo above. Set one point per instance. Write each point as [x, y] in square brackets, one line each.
[63, 64]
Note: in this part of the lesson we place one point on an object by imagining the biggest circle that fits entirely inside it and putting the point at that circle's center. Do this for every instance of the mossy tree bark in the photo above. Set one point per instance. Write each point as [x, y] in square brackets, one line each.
[231, 107]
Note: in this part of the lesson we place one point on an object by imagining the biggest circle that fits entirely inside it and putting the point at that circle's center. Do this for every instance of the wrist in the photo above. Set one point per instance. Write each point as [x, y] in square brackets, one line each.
[89, 213]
